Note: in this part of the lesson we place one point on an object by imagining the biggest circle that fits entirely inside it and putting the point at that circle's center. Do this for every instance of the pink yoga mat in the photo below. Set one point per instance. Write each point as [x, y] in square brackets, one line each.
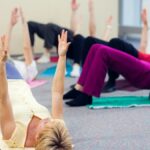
[36, 83]
[53, 59]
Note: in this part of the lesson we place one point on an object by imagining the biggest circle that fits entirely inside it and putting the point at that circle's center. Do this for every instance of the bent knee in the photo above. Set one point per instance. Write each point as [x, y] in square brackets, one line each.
[100, 49]
[97, 47]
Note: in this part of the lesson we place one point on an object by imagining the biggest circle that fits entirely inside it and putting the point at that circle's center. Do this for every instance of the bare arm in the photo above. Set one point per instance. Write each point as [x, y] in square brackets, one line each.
[27, 50]
[92, 25]
[58, 80]
[12, 23]
[7, 122]
[144, 34]
[108, 28]
[75, 20]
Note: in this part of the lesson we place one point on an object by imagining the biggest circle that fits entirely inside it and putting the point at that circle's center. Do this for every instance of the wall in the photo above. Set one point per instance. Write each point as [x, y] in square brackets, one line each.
[47, 11]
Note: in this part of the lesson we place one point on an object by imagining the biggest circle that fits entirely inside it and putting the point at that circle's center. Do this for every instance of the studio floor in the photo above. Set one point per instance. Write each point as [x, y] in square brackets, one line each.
[103, 129]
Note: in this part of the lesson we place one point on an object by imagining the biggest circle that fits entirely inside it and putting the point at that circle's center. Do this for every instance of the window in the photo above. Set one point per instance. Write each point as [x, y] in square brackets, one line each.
[130, 13]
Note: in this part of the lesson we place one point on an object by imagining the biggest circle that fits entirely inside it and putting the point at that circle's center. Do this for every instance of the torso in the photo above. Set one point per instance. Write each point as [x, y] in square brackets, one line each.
[25, 111]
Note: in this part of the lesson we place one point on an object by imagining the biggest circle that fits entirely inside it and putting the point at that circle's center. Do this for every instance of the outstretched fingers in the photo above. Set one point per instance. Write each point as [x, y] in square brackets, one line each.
[144, 16]
[74, 5]
[62, 43]
[109, 20]
[63, 36]
[14, 16]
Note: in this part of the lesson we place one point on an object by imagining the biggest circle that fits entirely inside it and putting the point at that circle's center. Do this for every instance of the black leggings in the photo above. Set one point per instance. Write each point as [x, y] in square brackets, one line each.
[75, 48]
[116, 43]
[89, 41]
[45, 32]
[48, 32]
[36, 28]
[123, 46]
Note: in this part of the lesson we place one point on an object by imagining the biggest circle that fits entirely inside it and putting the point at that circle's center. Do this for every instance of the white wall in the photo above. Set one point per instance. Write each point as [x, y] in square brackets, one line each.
[57, 11]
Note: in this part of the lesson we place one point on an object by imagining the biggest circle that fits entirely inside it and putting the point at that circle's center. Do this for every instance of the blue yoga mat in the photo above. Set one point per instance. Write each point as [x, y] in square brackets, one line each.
[49, 72]
[11, 71]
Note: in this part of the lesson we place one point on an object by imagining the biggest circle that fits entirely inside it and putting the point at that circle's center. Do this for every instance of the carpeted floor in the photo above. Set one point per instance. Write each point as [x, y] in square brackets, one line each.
[103, 129]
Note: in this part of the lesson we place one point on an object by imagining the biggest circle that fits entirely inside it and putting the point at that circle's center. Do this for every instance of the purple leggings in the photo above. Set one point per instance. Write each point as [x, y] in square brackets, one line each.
[101, 58]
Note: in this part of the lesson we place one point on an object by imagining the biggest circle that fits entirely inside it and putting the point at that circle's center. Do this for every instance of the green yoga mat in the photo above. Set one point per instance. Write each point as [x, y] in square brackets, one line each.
[119, 102]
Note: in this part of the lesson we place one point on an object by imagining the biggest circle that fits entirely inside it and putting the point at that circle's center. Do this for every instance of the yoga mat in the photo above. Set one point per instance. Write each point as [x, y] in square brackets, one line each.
[53, 59]
[124, 85]
[11, 71]
[119, 102]
[49, 72]
[36, 83]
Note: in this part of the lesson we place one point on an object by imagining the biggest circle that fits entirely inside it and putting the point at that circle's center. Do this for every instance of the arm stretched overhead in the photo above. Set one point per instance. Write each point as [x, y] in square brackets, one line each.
[92, 25]
[58, 80]
[144, 34]
[13, 20]
[7, 122]
[27, 50]
[108, 28]
[75, 19]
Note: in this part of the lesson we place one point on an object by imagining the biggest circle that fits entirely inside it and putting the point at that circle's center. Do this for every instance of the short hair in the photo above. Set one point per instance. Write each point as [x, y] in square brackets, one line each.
[54, 137]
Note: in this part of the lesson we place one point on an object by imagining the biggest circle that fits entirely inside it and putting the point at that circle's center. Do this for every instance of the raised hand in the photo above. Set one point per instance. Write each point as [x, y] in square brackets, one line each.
[3, 52]
[62, 43]
[90, 5]
[144, 17]
[21, 15]
[14, 16]
[74, 5]
[109, 21]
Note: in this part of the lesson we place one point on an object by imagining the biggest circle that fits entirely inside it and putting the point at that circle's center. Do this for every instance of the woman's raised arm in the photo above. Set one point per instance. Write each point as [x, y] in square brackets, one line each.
[12, 22]
[27, 50]
[108, 28]
[58, 80]
[7, 122]
[75, 23]
[92, 24]
[144, 33]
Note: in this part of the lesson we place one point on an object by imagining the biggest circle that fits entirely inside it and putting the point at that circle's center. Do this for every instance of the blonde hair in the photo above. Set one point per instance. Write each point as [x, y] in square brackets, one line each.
[54, 137]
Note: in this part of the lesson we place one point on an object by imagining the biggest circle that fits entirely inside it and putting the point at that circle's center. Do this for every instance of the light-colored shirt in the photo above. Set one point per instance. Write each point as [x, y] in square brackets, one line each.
[24, 108]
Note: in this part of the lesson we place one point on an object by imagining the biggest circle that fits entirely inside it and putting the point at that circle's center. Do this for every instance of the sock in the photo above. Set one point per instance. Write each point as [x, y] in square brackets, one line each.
[71, 94]
[72, 86]
[81, 100]
[75, 71]
[32, 71]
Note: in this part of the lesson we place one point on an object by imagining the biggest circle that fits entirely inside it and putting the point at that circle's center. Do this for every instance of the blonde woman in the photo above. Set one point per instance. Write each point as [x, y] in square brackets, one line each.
[23, 121]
